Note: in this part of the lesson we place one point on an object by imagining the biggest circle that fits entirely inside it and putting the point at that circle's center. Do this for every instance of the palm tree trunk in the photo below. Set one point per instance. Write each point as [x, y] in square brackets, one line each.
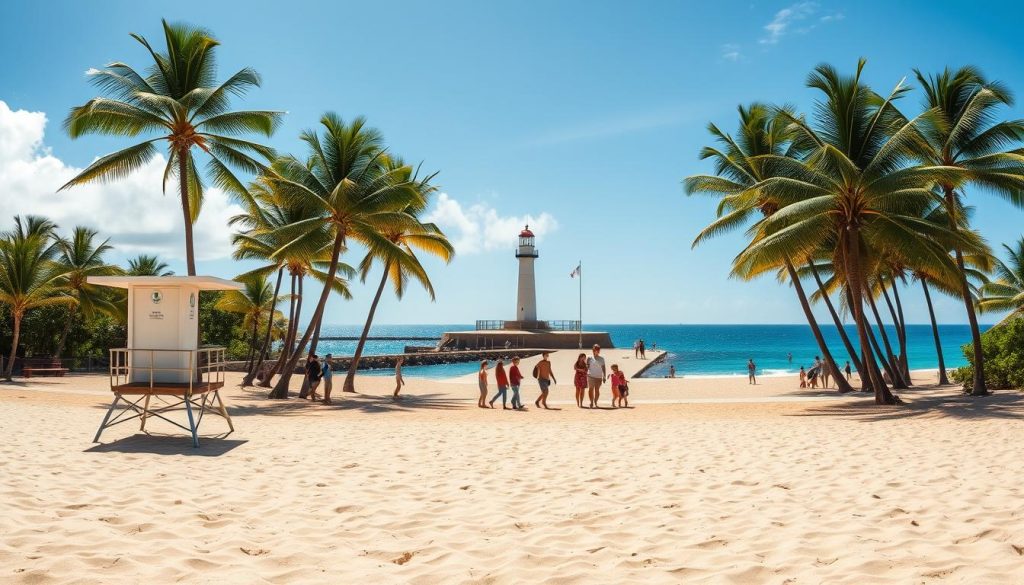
[190, 257]
[904, 359]
[965, 290]
[249, 377]
[15, 339]
[281, 389]
[890, 362]
[794, 278]
[835, 317]
[67, 329]
[350, 377]
[286, 343]
[856, 285]
[252, 343]
[943, 379]
[898, 361]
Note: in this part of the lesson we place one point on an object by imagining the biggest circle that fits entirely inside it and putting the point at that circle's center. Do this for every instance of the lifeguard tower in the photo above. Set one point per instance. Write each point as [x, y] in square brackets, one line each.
[163, 359]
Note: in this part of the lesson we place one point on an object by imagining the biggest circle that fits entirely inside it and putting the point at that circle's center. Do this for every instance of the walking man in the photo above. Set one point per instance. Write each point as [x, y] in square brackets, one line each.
[751, 371]
[596, 374]
[545, 377]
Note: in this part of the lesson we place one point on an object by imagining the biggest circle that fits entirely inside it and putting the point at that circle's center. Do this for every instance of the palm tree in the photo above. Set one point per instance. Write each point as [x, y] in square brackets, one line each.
[963, 136]
[254, 301]
[857, 193]
[147, 265]
[399, 264]
[263, 222]
[28, 273]
[738, 168]
[357, 196]
[1006, 292]
[179, 101]
[80, 258]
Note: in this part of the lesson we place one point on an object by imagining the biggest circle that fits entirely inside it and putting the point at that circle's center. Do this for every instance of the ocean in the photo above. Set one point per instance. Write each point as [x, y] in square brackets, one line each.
[694, 350]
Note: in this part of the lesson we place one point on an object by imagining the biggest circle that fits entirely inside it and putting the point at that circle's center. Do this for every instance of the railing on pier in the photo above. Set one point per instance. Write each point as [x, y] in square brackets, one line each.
[495, 325]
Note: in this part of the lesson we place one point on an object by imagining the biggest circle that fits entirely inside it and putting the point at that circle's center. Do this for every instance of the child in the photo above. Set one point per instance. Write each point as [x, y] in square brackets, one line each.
[482, 379]
[803, 377]
[620, 390]
[580, 379]
[515, 378]
[502, 378]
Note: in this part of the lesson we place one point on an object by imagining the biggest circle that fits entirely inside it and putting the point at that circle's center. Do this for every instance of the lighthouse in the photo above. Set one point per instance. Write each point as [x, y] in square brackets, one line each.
[526, 299]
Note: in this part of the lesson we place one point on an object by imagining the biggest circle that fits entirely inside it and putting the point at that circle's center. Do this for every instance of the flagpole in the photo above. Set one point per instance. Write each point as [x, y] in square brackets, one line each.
[581, 304]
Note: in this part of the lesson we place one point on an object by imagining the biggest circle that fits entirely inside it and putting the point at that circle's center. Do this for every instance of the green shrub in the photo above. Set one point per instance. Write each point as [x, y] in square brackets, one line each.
[1003, 348]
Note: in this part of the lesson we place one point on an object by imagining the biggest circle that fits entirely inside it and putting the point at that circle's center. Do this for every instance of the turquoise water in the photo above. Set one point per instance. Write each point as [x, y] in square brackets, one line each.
[701, 350]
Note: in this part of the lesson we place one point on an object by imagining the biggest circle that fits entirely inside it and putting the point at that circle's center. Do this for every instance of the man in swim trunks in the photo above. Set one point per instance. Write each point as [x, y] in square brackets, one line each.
[545, 377]
[596, 374]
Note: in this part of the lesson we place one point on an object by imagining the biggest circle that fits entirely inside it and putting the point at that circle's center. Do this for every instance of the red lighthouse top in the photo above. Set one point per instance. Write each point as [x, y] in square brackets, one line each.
[526, 233]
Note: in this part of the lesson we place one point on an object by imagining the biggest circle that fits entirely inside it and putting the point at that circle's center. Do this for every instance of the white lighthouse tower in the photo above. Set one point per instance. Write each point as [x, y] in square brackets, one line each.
[526, 300]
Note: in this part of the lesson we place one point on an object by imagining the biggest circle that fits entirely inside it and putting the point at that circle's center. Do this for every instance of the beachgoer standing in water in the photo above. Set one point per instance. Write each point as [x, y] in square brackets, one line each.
[545, 377]
[502, 379]
[789, 356]
[515, 378]
[481, 378]
[399, 380]
[597, 374]
[327, 374]
[751, 371]
[671, 371]
[579, 379]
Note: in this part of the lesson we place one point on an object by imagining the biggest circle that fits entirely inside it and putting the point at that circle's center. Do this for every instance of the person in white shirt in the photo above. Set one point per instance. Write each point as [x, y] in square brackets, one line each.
[596, 374]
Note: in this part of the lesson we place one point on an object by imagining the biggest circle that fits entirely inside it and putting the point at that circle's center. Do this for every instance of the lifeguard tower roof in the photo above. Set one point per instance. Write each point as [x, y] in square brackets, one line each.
[200, 282]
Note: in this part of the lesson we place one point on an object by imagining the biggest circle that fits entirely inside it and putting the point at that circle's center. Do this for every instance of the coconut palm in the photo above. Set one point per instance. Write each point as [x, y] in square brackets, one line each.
[264, 221]
[858, 193]
[966, 136]
[1006, 292]
[180, 102]
[255, 301]
[399, 264]
[147, 265]
[358, 197]
[738, 168]
[29, 274]
[80, 258]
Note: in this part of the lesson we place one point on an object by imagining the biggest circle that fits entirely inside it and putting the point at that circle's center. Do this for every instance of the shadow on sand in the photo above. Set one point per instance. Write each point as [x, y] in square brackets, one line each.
[926, 402]
[160, 444]
[258, 404]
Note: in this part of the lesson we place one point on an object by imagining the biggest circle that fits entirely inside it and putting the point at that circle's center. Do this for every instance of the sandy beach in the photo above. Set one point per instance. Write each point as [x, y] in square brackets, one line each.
[704, 481]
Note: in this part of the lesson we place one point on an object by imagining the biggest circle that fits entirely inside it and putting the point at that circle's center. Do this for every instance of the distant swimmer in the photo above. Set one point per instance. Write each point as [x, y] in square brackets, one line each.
[789, 356]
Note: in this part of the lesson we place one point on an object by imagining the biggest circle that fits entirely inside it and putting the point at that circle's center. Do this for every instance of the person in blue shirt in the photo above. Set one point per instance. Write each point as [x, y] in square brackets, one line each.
[326, 372]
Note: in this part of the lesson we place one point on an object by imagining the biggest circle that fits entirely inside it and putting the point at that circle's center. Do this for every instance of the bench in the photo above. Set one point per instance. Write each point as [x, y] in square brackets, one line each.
[43, 366]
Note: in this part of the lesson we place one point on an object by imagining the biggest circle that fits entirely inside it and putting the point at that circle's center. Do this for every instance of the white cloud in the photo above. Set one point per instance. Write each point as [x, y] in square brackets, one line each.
[785, 18]
[731, 52]
[133, 211]
[479, 228]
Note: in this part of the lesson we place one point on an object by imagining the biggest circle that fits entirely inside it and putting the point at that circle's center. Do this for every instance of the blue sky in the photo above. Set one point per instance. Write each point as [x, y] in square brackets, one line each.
[584, 116]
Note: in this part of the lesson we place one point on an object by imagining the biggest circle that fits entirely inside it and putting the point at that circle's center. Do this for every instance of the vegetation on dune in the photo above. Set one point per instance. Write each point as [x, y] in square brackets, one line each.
[861, 198]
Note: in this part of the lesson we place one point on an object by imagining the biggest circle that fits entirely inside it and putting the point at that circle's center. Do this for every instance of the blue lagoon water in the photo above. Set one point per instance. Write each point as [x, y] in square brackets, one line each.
[694, 350]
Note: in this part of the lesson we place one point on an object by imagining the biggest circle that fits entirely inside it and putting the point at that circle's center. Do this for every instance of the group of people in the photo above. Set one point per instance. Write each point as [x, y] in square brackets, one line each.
[640, 349]
[317, 372]
[820, 371]
[589, 374]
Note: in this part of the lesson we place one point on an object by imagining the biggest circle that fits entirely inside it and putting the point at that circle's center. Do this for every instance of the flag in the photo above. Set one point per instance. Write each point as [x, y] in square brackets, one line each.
[576, 272]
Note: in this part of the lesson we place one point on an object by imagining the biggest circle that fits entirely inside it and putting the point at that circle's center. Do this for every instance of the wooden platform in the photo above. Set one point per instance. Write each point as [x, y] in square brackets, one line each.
[168, 388]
